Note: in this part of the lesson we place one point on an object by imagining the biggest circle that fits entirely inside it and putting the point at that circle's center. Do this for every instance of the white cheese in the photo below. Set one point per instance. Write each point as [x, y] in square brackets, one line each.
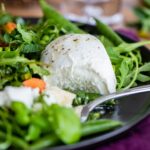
[28, 95]
[23, 94]
[79, 62]
[59, 96]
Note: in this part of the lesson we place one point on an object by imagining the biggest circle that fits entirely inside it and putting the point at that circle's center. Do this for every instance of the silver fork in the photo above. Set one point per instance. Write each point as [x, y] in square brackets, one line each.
[89, 107]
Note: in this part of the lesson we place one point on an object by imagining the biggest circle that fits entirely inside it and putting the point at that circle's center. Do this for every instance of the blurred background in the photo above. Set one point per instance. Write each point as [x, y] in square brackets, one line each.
[110, 11]
[133, 14]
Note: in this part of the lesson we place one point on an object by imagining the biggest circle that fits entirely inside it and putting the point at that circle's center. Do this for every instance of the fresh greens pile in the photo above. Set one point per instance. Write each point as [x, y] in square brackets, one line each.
[125, 57]
[24, 128]
[20, 50]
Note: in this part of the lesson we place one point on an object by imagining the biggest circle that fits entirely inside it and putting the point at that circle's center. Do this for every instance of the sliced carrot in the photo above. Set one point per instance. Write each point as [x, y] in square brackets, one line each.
[9, 27]
[35, 83]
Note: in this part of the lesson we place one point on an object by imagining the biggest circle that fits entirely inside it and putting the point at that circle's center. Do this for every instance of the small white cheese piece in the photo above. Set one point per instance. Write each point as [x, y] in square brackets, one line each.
[79, 62]
[26, 95]
[59, 96]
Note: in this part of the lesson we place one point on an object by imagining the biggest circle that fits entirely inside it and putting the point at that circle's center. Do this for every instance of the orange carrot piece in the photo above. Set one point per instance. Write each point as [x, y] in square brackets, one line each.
[35, 83]
[9, 27]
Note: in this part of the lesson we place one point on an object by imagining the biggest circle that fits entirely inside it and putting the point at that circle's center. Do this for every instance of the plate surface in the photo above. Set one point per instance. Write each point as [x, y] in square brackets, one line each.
[130, 110]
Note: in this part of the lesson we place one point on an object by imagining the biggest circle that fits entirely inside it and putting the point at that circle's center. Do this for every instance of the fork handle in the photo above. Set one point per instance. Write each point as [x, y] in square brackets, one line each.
[89, 107]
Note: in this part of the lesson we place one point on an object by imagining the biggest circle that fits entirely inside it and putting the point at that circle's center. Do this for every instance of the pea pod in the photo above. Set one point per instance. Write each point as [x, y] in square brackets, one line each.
[57, 19]
[108, 33]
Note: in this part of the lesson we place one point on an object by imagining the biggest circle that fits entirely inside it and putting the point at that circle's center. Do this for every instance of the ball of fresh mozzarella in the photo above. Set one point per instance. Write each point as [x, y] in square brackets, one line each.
[79, 62]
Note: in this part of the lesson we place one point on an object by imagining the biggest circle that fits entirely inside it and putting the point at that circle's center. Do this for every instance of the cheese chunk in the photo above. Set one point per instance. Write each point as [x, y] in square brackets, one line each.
[79, 62]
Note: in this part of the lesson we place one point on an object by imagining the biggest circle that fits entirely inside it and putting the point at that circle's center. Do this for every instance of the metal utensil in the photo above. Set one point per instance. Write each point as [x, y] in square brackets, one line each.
[89, 107]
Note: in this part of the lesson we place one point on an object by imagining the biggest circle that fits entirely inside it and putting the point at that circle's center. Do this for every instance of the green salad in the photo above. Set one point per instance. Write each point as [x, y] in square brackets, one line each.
[27, 119]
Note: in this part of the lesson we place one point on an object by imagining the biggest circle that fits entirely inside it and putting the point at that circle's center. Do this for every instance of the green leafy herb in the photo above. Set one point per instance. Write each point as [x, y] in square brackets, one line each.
[28, 36]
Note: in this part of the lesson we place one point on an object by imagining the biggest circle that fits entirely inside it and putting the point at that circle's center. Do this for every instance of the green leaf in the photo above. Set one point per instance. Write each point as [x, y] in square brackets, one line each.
[39, 70]
[30, 48]
[107, 43]
[27, 36]
[124, 70]
[7, 38]
[4, 18]
[143, 78]
[12, 61]
[145, 67]
[8, 54]
[128, 47]
[114, 55]
[65, 123]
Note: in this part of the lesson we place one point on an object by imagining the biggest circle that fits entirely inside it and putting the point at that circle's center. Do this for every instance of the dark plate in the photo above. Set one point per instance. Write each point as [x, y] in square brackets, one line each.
[130, 110]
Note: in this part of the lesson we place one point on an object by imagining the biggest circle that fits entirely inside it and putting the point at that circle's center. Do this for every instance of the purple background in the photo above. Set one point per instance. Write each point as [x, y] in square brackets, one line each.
[137, 138]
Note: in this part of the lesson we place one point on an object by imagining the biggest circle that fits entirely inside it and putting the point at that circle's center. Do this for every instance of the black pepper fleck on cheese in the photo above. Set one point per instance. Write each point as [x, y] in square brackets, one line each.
[75, 40]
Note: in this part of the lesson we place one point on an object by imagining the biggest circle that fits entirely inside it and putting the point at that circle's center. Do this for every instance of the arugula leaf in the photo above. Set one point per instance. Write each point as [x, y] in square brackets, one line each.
[114, 55]
[145, 67]
[8, 54]
[12, 61]
[128, 47]
[124, 70]
[143, 78]
[65, 123]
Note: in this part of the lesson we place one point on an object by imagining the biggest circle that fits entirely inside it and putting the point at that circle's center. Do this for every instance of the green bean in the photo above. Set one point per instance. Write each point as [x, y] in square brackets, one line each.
[99, 126]
[47, 141]
[6, 144]
[108, 33]
[57, 19]
[16, 142]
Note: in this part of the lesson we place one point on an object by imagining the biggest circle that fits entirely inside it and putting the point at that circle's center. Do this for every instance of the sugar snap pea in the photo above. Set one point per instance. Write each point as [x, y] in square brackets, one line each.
[57, 19]
[108, 33]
